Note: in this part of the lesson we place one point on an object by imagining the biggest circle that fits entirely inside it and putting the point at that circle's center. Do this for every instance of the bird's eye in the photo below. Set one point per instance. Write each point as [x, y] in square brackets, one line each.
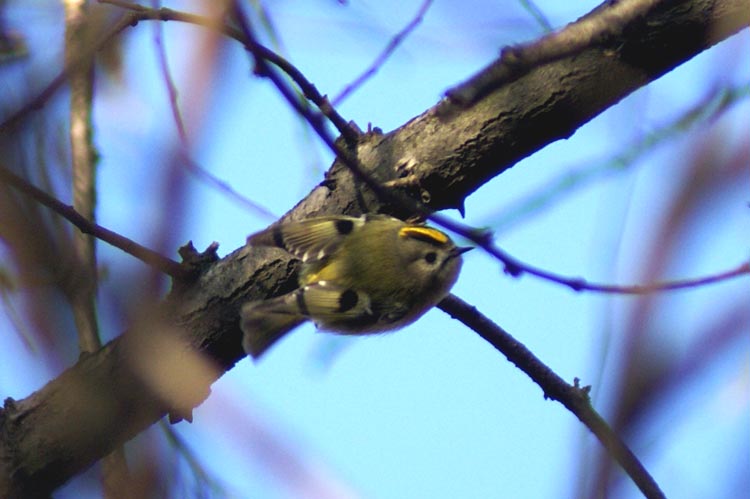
[430, 257]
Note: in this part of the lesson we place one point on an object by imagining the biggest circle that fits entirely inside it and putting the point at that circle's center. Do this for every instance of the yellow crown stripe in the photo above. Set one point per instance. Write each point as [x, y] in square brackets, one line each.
[424, 233]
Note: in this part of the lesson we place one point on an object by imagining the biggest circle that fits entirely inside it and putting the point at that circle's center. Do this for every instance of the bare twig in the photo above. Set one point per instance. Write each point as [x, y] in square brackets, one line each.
[537, 14]
[385, 54]
[202, 476]
[141, 13]
[515, 268]
[75, 63]
[206, 176]
[186, 159]
[163, 264]
[575, 398]
[708, 109]
[161, 55]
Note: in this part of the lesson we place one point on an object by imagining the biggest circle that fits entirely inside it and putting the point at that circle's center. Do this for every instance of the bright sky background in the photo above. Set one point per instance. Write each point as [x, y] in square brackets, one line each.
[431, 411]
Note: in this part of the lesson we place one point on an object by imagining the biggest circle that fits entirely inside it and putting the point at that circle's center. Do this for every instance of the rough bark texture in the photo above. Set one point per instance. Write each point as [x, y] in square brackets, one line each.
[452, 149]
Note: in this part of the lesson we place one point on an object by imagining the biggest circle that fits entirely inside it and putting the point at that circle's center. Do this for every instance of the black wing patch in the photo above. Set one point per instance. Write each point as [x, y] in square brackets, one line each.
[312, 239]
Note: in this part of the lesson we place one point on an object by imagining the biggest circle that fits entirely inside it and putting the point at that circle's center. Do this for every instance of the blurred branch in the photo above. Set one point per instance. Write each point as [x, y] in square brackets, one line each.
[537, 14]
[115, 475]
[449, 151]
[83, 160]
[202, 476]
[573, 397]
[169, 267]
[712, 167]
[12, 45]
[82, 296]
[708, 109]
[76, 62]
[185, 158]
[6, 288]
[385, 54]
[140, 13]
[694, 365]
[161, 54]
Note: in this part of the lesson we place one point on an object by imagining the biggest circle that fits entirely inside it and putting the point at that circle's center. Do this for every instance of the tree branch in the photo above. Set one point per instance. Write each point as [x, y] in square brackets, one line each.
[162, 263]
[573, 397]
[141, 13]
[449, 151]
[397, 39]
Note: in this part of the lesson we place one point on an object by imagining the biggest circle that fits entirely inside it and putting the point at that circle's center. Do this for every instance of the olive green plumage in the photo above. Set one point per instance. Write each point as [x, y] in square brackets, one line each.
[359, 275]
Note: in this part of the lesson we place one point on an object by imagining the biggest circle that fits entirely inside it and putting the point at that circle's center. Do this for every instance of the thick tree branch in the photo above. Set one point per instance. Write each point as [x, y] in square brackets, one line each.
[447, 152]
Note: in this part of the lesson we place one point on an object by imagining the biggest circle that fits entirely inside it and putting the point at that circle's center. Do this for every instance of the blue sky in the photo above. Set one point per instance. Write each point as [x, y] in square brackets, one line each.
[432, 410]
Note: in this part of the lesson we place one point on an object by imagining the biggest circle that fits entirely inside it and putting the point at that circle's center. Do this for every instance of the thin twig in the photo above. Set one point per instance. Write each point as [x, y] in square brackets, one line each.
[385, 54]
[515, 268]
[199, 471]
[162, 263]
[186, 159]
[575, 398]
[141, 13]
[537, 14]
[206, 176]
[75, 63]
[708, 109]
[161, 55]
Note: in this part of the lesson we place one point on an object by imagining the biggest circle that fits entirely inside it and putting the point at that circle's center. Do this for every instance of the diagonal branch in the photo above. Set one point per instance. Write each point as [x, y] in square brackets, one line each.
[385, 54]
[141, 13]
[162, 263]
[573, 397]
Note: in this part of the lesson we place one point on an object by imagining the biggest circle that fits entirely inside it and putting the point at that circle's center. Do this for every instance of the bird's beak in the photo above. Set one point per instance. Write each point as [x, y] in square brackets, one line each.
[460, 250]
